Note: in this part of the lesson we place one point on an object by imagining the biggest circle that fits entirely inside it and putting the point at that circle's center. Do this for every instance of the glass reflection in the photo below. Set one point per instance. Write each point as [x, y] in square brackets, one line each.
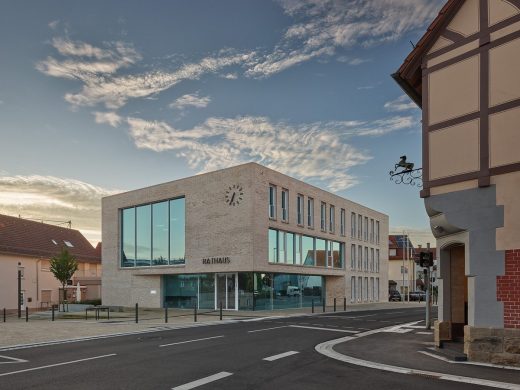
[177, 231]
[308, 250]
[160, 233]
[143, 235]
[321, 252]
[272, 251]
[128, 241]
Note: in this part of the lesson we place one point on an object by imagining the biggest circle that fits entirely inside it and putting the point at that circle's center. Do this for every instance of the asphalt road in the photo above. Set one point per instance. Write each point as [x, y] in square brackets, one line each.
[276, 353]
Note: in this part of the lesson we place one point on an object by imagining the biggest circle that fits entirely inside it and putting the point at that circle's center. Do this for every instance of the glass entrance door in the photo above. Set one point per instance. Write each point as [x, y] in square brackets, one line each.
[226, 291]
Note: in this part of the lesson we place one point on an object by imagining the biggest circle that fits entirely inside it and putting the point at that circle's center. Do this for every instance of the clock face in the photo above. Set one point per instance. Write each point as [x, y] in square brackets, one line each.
[234, 195]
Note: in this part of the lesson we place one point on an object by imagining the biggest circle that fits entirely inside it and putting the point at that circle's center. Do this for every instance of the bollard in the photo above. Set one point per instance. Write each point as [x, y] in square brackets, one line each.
[324, 305]
[136, 313]
[52, 310]
[345, 304]
[166, 314]
[220, 310]
[195, 313]
[26, 314]
[4, 314]
[334, 305]
[312, 305]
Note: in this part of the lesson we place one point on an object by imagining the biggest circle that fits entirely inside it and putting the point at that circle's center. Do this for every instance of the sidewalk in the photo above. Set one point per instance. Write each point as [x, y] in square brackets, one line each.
[409, 349]
[68, 326]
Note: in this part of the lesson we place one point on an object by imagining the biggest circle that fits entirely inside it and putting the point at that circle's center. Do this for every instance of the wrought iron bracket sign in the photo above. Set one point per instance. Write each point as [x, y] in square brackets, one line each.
[407, 174]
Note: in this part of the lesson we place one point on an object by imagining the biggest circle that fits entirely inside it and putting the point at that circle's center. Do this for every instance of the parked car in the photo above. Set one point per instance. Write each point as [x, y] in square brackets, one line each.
[417, 296]
[394, 295]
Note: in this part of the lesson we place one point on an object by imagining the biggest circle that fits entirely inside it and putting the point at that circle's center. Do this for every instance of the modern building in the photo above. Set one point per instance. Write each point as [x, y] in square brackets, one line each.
[464, 75]
[246, 237]
[401, 264]
[29, 245]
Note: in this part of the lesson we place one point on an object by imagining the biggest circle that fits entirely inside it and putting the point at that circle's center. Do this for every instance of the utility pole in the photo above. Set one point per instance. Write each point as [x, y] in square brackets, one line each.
[402, 273]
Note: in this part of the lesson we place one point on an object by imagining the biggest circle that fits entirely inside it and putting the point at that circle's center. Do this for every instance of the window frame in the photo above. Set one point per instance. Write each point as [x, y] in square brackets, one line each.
[323, 216]
[310, 213]
[300, 215]
[284, 203]
[272, 201]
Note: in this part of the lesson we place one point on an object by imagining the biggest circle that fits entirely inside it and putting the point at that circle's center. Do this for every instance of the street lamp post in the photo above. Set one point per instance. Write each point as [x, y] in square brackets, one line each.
[20, 298]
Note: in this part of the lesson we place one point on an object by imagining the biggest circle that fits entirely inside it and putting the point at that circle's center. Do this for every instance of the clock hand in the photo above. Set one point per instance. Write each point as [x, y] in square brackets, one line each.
[232, 198]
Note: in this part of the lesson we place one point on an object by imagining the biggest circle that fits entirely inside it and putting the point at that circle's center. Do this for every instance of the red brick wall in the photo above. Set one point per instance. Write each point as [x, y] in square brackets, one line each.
[508, 289]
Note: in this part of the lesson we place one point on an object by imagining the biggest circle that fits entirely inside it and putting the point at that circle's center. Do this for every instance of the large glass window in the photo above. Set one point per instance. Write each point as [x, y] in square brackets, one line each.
[177, 231]
[359, 288]
[160, 233]
[299, 207]
[180, 291]
[377, 232]
[128, 240]
[272, 201]
[353, 289]
[377, 260]
[323, 216]
[298, 249]
[372, 233]
[372, 260]
[310, 213]
[337, 254]
[360, 227]
[360, 258]
[282, 242]
[273, 246]
[366, 259]
[321, 252]
[308, 250]
[153, 234]
[285, 205]
[352, 257]
[143, 235]
[376, 297]
[365, 229]
[289, 248]
[353, 225]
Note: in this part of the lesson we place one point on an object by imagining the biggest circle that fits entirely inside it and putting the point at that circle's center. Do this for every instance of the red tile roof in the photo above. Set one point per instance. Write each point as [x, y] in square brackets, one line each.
[31, 238]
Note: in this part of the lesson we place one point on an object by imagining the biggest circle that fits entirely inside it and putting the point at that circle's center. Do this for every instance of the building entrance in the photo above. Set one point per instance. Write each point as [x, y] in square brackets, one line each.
[226, 287]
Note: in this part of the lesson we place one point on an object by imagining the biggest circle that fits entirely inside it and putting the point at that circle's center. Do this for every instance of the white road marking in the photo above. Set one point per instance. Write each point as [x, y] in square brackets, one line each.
[319, 328]
[424, 333]
[12, 360]
[327, 349]
[190, 341]
[57, 364]
[470, 363]
[264, 329]
[403, 328]
[280, 356]
[203, 381]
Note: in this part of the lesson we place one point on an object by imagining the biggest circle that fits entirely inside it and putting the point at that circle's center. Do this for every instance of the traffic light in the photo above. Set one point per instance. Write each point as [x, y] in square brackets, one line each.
[426, 259]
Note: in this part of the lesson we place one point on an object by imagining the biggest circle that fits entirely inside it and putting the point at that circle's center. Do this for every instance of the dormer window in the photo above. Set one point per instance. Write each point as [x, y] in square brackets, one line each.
[68, 243]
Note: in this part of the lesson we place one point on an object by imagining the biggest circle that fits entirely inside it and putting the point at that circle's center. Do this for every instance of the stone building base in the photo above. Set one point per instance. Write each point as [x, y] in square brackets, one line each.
[492, 345]
[441, 332]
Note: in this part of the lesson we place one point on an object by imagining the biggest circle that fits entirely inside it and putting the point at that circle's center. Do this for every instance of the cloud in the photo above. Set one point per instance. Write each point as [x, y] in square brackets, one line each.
[97, 69]
[402, 103]
[54, 24]
[317, 152]
[110, 118]
[230, 76]
[53, 198]
[190, 100]
[323, 26]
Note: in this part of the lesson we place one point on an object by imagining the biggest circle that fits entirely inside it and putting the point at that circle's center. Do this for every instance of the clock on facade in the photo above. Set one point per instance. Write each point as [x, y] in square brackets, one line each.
[234, 195]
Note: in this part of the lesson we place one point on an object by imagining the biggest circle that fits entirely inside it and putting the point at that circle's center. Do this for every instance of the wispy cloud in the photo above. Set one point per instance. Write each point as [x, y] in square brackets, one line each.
[190, 100]
[318, 152]
[53, 24]
[97, 69]
[63, 199]
[323, 26]
[402, 103]
[110, 118]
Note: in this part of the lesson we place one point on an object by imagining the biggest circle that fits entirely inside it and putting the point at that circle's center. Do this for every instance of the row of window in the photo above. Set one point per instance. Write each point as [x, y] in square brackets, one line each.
[153, 234]
[364, 289]
[361, 261]
[292, 248]
[367, 231]
[330, 216]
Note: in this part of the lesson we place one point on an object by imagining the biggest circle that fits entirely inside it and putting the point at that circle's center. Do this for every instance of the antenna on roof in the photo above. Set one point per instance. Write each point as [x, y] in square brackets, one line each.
[411, 43]
[50, 221]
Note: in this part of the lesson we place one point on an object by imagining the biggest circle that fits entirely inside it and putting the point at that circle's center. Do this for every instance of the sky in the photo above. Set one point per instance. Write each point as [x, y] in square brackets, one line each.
[101, 97]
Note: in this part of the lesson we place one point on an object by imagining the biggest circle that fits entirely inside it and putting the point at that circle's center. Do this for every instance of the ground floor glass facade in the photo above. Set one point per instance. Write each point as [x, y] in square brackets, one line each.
[243, 291]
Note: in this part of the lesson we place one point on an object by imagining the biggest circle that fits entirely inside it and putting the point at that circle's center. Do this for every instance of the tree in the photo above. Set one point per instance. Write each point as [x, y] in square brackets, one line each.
[63, 267]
